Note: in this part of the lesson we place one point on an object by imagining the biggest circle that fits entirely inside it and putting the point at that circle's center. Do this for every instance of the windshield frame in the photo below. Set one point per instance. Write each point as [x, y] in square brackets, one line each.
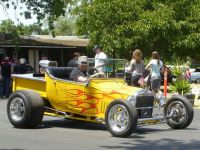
[114, 68]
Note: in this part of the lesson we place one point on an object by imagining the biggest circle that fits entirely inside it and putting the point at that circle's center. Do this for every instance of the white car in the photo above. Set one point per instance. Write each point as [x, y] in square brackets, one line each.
[195, 76]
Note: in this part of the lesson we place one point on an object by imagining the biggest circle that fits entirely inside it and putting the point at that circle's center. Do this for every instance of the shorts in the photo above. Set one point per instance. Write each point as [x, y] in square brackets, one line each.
[155, 84]
[134, 80]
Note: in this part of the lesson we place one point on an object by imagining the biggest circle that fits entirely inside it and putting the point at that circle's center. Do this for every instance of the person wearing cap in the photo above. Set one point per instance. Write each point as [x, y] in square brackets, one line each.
[74, 62]
[79, 74]
[99, 62]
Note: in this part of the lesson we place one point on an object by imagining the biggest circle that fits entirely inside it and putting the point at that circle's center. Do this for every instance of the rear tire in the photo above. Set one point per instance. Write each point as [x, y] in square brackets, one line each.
[121, 118]
[180, 112]
[25, 109]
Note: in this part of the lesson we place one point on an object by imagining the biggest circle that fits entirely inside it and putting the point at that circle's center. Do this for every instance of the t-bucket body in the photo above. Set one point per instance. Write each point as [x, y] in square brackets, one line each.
[103, 99]
[86, 102]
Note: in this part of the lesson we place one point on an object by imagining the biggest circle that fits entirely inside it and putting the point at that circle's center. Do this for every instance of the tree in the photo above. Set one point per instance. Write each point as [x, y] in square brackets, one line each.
[170, 27]
[8, 27]
[51, 9]
[65, 26]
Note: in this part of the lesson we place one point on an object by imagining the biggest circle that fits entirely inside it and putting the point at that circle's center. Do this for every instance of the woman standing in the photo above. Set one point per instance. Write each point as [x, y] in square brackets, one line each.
[156, 66]
[136, 67]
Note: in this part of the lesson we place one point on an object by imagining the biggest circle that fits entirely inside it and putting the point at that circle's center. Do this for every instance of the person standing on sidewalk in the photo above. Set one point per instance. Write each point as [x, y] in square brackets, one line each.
[137, 68]
[6, 76]
[99, 58]
[156, 66]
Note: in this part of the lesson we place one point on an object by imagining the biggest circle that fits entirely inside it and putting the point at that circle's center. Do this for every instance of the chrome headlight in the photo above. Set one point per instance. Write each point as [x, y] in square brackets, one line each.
[131, 98]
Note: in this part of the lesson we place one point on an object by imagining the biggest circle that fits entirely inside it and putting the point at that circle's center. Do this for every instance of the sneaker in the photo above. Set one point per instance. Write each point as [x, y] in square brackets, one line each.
[162, 105]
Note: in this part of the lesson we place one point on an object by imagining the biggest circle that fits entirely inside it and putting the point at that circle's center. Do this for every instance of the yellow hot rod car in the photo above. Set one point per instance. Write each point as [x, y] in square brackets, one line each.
[107, 100]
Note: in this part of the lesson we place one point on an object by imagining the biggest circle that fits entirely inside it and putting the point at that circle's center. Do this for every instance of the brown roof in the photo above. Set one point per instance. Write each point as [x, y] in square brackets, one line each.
[43, 40]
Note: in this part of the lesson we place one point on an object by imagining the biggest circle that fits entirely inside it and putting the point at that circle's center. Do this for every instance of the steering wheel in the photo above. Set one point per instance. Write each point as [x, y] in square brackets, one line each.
[92, 71]
[98, 74]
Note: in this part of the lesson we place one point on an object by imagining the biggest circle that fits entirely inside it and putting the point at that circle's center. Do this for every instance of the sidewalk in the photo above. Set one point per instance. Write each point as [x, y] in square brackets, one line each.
[195, 90]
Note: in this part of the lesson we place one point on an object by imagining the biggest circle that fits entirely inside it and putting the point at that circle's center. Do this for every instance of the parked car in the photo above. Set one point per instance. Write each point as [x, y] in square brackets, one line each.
[195, 75]
[107, 100]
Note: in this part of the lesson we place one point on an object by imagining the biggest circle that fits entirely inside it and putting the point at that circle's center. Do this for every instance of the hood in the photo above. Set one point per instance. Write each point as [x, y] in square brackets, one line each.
[115, 88]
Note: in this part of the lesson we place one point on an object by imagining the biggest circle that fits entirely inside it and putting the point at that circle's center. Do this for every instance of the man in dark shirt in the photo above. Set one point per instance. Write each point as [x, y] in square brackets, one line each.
[79, 74]
[74, 62]
[6, 75]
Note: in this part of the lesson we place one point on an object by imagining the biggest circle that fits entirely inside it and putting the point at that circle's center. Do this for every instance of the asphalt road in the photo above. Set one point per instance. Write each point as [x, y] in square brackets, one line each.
[61, 134]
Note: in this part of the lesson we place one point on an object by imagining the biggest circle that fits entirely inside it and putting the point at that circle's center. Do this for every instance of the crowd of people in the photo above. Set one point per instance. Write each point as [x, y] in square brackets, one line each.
[8, 67]
[81, 62]
[136, 68]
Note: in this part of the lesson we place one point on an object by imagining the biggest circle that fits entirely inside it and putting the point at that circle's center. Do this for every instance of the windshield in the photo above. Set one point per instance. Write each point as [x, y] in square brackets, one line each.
[112, 68]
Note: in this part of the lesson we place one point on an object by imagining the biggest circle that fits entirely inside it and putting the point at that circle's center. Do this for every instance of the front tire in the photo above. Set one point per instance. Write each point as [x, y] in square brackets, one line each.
[121, 118]
[179, 112]
[25, 109]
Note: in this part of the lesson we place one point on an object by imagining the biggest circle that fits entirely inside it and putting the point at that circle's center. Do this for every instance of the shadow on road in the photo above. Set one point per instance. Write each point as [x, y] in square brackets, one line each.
[74, 124]
[165, 144]
[11, 149]
[65, 123]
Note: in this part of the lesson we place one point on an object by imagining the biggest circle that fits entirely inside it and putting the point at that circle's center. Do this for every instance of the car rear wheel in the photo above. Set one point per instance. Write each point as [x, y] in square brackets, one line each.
[121, 118]
[179, 112]
[25, 109]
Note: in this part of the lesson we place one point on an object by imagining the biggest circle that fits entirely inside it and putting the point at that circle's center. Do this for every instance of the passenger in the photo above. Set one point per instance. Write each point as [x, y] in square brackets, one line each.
[99, 63]
[74, 62]
[156, 66]
[79, 74]
[137, 69]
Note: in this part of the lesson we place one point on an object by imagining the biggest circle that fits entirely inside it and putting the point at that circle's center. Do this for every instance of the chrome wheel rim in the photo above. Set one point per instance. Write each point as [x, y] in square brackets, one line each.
[118, 118]
[17, 109]
[177, 112]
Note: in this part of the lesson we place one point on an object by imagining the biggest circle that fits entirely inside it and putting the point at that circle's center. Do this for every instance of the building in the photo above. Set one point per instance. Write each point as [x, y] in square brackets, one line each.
[32, 48]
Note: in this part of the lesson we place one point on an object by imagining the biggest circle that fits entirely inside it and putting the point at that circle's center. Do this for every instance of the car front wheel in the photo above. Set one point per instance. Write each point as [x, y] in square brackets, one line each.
[121, 118]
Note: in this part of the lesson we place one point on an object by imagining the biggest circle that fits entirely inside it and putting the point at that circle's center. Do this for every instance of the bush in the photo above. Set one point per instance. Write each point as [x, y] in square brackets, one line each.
[181, 85]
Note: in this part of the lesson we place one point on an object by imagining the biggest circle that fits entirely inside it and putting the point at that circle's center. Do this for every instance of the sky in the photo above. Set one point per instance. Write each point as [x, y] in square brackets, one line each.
[14, 14]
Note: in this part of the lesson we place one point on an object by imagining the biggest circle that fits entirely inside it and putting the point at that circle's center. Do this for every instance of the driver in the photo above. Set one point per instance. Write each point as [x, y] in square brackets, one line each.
[79, 74]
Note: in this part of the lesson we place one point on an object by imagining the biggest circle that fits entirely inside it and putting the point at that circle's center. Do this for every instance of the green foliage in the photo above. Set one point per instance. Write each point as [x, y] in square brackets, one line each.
[182, 86]
[168, 26]
[121, 26]
[50, 9]
[8, 27]
[65, 26]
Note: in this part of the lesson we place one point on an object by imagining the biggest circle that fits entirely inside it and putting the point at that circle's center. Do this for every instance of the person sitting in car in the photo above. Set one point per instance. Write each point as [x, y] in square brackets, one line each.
[79, 74]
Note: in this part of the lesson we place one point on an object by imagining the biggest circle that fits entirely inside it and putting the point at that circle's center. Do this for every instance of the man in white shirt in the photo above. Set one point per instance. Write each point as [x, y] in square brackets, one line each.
[99, 62]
